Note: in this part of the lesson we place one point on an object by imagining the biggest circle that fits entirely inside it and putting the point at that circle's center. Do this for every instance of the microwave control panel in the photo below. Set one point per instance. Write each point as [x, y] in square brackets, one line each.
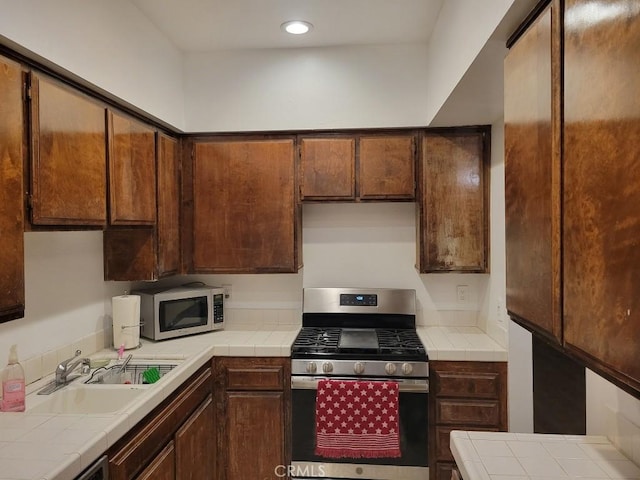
[218, 308]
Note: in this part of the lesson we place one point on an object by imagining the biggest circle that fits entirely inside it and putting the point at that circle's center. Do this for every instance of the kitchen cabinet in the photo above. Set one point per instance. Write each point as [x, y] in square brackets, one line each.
[243, 215]
[11, 192]
[132, 171]
[453, 206]
[135, 254]
[601, 191]
[253, 401]
[463, 396]
[357, 167]
[68, 156]
[572, 232]
[532, 176]
[175, 441]
[327, 168]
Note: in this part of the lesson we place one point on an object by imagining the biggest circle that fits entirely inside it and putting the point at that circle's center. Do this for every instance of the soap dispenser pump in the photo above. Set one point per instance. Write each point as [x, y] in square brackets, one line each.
[13, 384]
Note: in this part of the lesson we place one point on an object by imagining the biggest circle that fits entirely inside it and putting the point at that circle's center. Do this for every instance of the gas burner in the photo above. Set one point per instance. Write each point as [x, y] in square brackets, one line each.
[399, 341]
[317, 340]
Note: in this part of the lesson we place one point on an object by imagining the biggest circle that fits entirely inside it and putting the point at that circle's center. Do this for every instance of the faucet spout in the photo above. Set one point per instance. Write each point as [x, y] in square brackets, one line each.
[69, 365]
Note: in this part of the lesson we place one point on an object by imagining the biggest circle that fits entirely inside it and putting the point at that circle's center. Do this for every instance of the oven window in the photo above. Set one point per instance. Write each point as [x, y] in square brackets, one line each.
[413, 431]
[183, 313]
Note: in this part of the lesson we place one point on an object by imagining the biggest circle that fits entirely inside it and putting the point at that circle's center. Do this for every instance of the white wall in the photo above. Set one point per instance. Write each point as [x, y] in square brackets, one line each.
[109, 43]
[463, 27]
[66, 297]
[364, 86]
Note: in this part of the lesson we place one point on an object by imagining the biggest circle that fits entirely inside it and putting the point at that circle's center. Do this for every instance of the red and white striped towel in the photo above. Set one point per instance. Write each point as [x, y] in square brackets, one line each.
[357, 419]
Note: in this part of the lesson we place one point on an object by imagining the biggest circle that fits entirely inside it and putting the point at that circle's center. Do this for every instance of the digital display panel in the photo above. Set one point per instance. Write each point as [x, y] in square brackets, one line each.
[358, 299]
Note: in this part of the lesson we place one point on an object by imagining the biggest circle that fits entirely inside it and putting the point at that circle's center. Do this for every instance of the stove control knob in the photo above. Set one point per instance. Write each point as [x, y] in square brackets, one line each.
[407, 368]
[390, 368]
[358, 367]
[312, 367]
[327, 367]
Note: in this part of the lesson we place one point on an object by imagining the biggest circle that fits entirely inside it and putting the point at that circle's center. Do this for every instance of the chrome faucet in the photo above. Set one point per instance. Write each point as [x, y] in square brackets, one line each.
[69, 365]
[62, 373]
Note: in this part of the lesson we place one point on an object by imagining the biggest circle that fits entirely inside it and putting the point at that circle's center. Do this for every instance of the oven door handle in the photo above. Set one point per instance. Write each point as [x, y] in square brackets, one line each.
[405, 384]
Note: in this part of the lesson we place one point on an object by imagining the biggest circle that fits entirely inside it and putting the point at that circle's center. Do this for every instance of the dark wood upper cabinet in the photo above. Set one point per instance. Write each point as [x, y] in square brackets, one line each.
[453, 209]
[168, 206]
[11, 191]
[68, 156]
[327, 168]
[132, 173]
[152, 253]
[601, 175]
[532, 176]
[387, 167]
[357, 167]
[244, 214]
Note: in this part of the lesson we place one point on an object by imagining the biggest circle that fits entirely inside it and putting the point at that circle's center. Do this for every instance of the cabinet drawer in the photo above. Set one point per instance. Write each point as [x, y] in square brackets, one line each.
[468, 412]
[468, 384]
[255, 378]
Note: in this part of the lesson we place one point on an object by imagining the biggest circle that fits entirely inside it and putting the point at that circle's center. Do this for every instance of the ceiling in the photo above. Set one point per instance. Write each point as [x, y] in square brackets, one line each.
[206, 25]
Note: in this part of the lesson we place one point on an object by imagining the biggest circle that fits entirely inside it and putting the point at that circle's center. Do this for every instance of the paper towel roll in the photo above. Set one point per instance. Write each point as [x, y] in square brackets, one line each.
[126, 321]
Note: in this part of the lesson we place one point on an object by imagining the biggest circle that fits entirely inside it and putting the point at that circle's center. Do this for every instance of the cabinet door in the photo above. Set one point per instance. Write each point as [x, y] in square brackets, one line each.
[601, 229]
[532, 177]
[327, 168]
[132, 172]
[137, 254]
[245, 218]
[387, 167]
[454, 202]
[255, 430]
[195, 445]
[168, 206]
[11, 192]
[163, 467]
[68, 156]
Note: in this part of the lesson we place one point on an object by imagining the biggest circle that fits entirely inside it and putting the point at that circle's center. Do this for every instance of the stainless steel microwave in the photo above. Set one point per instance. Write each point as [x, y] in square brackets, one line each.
[178, 311]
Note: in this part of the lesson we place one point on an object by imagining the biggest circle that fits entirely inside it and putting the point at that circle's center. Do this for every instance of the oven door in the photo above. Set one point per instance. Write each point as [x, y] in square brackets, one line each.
[411, 465]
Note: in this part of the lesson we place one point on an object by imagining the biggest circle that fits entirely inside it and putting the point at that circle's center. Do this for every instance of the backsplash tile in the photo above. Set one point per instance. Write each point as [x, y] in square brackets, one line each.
[45, 364]
[624, 434]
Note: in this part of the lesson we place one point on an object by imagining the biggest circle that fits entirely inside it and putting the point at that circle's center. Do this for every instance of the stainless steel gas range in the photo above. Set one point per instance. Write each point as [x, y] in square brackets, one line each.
[359, 337]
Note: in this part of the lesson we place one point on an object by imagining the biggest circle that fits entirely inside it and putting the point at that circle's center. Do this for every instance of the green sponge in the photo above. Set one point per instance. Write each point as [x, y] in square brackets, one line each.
[151, 375]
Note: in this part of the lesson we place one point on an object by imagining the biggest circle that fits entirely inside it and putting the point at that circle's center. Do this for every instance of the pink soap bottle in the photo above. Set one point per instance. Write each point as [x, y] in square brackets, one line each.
[12, 384]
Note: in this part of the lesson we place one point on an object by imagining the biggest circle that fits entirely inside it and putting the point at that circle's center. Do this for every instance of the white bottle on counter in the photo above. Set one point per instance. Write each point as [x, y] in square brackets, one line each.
[12, 384]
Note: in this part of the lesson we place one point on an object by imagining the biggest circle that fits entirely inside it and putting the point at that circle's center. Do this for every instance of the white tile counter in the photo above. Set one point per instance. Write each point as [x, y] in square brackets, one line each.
[37, 446]
[461, 343]
[60, 446]
[515, 456]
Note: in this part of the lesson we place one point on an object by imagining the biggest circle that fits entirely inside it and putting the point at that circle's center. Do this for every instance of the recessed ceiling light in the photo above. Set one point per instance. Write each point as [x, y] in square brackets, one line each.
[296, 27]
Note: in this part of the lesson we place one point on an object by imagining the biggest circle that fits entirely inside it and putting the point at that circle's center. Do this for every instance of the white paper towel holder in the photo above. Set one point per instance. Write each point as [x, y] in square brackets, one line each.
[124, 327]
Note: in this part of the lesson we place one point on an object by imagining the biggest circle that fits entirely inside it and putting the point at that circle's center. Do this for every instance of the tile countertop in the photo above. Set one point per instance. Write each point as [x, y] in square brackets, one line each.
[38, 446]
[60, 446]
[461, 343]
[516, 456]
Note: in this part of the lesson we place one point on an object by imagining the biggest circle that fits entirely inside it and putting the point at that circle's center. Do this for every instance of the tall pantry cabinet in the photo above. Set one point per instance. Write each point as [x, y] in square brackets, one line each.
[11, 192]
[572, 171]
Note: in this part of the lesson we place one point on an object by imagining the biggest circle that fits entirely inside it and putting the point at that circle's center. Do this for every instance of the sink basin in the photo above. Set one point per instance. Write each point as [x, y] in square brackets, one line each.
[94, 399]
[133, 373]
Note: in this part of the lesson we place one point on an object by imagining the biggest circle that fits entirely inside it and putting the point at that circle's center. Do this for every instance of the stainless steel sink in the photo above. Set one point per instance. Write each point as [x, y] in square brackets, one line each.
[132, 373]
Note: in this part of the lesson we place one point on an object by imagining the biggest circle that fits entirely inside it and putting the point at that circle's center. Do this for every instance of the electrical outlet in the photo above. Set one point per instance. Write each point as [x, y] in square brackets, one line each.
[227, 292]
[462, 292]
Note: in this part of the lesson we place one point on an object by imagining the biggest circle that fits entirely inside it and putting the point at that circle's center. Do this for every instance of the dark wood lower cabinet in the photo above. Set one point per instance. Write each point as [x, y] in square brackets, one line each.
[463, 396]
[175, 441]
[253, 397]
[163, 467]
